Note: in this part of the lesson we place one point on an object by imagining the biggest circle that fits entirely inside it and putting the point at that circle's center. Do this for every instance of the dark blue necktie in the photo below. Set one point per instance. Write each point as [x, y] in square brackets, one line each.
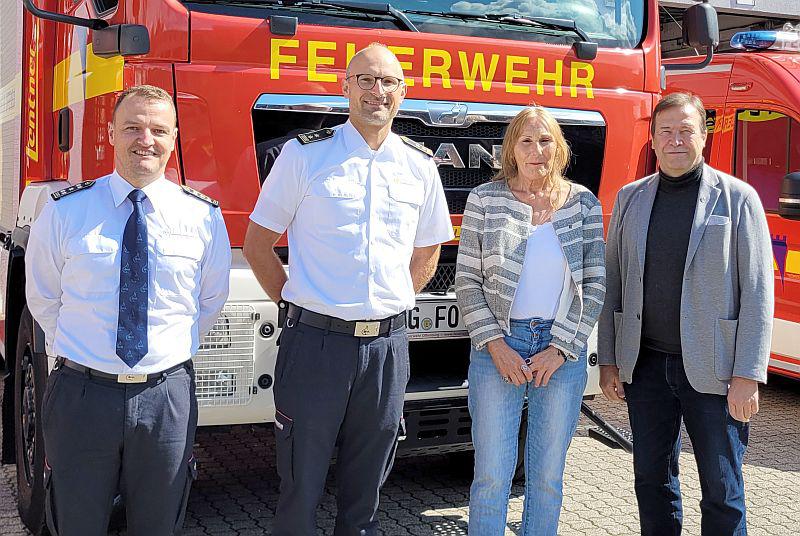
[132, 323]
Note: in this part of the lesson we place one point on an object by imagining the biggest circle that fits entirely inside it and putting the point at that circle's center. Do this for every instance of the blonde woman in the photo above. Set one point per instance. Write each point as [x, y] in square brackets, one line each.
[530, 280]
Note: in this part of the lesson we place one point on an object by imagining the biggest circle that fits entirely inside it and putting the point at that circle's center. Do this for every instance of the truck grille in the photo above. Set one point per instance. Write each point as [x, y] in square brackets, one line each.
[466, 155]
[443, 280]
[463, 178]
[413, 128]
[224, 363]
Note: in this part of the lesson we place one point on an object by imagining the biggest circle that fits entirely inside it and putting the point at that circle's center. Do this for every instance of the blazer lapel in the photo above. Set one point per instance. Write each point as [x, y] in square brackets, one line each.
[644, 206]
[706, 200]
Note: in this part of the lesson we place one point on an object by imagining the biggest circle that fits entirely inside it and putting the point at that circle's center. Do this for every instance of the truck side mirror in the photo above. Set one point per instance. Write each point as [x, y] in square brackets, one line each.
[700, 26]
[789, 200]
[700, 29]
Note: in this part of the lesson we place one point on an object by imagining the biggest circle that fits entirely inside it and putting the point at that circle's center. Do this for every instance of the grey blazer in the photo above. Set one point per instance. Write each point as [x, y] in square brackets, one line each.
[727, 299]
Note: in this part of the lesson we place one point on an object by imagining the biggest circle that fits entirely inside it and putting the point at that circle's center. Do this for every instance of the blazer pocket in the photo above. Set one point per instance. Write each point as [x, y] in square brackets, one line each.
[724, 347]
[715, 219]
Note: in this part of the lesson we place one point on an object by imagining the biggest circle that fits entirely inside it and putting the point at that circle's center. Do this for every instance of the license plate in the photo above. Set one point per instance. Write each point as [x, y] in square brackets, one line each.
[435, 320]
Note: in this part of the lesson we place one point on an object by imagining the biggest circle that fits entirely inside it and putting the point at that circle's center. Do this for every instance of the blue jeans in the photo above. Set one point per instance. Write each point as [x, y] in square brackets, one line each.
[658, 398]
[496, 410]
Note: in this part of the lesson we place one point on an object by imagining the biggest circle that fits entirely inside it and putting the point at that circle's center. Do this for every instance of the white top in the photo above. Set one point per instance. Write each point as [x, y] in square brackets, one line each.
[72, 265]
[353, 216]
[542, 277]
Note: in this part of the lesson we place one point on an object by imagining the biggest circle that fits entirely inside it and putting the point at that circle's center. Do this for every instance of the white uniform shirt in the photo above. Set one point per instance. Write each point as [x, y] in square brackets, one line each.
[72, 265]
[354, 216]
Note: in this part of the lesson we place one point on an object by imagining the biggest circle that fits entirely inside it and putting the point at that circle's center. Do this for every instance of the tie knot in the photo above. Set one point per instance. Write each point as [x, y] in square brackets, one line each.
[137, 196]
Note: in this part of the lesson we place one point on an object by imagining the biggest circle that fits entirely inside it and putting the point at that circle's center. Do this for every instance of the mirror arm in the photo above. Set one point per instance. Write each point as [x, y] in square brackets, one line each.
[691, 66]
[94, 24]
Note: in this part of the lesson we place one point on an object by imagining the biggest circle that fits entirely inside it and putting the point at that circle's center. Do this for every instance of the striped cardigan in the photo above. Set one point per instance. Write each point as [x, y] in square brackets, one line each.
[491, 252]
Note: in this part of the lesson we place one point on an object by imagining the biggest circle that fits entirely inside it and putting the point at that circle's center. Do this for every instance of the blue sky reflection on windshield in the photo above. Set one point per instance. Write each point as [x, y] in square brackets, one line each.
[611, 22]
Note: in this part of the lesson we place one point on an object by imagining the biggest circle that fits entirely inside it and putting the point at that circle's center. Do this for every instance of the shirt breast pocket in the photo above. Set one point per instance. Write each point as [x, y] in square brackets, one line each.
[337, 204]
[91, 266]
[178, 262]
[405, 201]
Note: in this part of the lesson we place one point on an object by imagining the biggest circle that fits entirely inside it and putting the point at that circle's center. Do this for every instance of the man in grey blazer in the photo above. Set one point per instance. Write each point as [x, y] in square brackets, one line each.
[685, 330]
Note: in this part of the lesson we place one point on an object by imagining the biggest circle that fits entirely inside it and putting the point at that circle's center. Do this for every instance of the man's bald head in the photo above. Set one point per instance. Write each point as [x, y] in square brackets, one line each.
[375, 53]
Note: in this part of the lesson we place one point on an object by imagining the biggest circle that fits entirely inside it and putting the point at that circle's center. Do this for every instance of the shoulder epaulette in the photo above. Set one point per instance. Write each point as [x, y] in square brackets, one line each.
[71, 190]
[315, 135]
[416, 145]
[198, 195]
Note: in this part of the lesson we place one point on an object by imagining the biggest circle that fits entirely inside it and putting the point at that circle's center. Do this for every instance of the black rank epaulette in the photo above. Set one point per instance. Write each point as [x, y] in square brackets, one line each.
[198, 195]
[315, 135]
[71, 190]
[416, 145]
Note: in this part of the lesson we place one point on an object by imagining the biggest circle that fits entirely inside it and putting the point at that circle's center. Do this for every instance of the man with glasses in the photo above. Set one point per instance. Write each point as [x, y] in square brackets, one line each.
[365, 215]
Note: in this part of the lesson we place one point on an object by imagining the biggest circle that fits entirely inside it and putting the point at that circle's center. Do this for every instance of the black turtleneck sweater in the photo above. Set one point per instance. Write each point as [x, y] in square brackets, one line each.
[667, 244]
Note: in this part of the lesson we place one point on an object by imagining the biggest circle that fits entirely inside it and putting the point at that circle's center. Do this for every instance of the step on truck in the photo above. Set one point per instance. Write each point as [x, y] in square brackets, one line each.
[249, 73]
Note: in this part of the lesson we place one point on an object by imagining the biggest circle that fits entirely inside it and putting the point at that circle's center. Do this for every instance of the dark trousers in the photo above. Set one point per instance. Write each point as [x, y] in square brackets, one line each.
[102, 437]
[333, 389]
[658, 398]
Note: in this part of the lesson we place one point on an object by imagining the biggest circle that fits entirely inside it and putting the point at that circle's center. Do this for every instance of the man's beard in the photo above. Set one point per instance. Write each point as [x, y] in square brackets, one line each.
[378, 119]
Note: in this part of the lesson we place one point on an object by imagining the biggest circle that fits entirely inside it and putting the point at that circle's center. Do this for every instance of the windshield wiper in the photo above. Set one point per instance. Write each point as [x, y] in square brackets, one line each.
[545, 22]
[355, 5]
[515, 18]
[585, 47]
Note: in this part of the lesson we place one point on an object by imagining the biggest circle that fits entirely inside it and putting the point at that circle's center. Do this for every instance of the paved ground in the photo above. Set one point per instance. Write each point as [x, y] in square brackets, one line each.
[237, 491]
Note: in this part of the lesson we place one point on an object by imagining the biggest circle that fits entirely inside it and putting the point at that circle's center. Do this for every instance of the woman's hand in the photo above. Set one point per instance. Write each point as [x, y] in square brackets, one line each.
[544, 364]
[509, 363]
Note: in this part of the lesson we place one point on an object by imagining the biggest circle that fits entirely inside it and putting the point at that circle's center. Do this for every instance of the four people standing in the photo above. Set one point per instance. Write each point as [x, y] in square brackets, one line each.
[686, 326]
[365, 214]
[530, 282]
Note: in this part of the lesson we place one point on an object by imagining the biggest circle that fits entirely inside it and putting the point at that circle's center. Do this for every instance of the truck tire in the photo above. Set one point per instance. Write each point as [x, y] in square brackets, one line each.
[30, 379]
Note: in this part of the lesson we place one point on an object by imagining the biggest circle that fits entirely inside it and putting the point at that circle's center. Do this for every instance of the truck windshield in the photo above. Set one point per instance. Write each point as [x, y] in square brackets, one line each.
[609, 23]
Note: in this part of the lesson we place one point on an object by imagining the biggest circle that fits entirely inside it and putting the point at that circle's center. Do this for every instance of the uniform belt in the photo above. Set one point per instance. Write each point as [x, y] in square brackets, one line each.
[119, 378]
[357, 328]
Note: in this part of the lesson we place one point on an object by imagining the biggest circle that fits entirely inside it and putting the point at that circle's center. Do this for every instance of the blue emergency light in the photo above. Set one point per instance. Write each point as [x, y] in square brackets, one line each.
[767, 40]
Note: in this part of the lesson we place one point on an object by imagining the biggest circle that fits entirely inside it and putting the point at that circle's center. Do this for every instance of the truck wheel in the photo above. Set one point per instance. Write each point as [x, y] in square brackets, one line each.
[30, 378]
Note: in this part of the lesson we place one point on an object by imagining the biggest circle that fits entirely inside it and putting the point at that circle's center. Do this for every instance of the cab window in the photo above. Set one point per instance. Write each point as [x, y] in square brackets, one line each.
[766, 150]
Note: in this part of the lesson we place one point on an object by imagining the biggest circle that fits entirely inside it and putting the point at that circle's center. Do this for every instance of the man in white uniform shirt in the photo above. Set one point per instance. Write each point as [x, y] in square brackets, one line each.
[365, 214]
[125, 275]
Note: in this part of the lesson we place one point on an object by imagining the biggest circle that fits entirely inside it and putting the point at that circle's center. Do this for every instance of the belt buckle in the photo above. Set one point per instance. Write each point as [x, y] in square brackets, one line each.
[131, 378]
[367, 329]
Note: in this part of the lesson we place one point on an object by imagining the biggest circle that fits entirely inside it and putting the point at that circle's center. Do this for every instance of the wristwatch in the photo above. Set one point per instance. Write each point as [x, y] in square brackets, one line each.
[562, 354]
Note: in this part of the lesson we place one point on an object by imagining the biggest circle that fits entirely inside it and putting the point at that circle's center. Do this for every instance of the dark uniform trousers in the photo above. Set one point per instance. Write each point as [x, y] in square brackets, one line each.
[332, 390]
[103, 437]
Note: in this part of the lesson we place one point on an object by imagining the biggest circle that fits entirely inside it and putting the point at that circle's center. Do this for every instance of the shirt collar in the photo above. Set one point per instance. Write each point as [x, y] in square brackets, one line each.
[120, 188]
[354, 141]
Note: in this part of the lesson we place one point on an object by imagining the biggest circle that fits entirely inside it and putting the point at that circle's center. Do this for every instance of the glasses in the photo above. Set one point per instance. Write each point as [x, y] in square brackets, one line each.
[366, 82]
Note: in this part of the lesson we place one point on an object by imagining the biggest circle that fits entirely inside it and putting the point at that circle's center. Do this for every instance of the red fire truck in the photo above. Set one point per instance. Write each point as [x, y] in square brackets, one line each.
[753, 115]
[249, 72]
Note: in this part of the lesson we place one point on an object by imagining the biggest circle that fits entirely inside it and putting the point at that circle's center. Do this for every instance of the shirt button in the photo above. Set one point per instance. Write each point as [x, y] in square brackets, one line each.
[638, 316]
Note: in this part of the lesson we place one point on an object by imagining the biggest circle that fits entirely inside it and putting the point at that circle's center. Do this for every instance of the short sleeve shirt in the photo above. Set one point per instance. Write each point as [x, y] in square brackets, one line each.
[353, 216]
